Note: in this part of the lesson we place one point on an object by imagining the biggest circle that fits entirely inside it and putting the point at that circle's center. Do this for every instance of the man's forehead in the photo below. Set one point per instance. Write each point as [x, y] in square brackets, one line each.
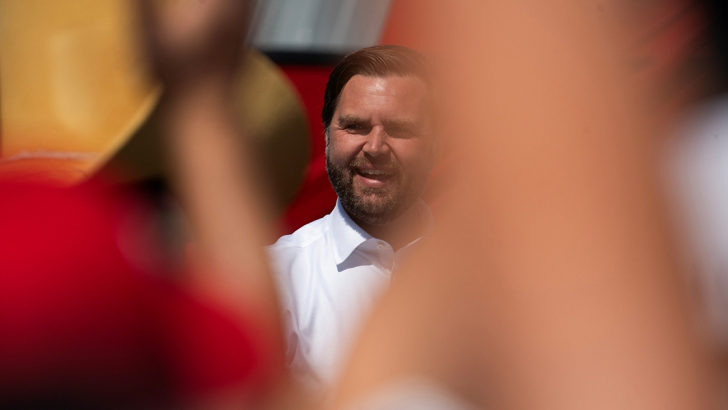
[406, 95]
[386, 83]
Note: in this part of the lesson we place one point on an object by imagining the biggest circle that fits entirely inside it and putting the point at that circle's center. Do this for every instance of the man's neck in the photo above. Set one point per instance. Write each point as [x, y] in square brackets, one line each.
[399, 232]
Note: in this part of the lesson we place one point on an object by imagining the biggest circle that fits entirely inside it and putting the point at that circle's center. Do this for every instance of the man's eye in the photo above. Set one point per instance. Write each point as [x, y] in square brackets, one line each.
[353, 127]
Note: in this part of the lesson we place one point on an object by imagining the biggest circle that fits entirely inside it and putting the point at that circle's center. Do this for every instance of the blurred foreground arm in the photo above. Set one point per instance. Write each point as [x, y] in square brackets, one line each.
[196, 47]
[551, 281]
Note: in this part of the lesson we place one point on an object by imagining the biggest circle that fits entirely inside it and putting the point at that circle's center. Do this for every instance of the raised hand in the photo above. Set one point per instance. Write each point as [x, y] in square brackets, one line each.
[187, 39]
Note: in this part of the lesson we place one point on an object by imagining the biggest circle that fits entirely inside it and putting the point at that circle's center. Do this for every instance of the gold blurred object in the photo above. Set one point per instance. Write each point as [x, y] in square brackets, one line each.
[270, 112]
[73, 86]
[273, 115]
[75, 98]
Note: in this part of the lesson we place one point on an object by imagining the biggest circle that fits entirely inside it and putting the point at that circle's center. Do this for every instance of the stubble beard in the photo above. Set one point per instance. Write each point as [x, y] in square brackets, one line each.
[373, 206]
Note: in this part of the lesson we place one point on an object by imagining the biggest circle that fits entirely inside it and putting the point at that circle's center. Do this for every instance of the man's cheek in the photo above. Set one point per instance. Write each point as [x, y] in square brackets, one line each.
[341, 164]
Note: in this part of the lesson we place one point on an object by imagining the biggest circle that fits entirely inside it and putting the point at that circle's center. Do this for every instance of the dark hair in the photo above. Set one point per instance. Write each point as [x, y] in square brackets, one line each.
[376, 61]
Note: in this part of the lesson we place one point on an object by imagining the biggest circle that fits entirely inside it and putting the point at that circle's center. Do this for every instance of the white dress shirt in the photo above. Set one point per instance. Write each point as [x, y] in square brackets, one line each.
[329, 274]
[698, 172]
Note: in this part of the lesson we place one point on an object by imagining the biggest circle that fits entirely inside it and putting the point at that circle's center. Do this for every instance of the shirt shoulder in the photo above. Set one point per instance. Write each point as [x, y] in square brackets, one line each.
[304, 237]
[294, 254]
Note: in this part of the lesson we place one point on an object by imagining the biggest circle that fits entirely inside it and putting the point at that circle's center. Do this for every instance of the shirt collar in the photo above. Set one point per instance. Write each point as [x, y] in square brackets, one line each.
[346, 235]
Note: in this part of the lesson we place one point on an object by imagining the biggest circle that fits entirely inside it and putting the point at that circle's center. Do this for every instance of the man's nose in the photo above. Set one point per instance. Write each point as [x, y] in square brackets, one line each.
[376, 143]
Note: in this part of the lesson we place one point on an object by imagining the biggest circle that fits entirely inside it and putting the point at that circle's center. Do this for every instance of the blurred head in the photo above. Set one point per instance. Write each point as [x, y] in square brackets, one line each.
[378, 117]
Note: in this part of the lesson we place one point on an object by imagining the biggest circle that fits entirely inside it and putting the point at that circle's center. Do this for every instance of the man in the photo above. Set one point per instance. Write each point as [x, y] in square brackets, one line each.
[379, 152]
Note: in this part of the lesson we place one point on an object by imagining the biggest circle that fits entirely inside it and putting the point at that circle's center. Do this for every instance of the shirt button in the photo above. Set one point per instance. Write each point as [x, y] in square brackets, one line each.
[380, 246]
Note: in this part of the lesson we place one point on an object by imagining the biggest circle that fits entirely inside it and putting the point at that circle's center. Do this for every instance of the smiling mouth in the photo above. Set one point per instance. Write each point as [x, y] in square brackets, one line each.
[376, 177]
[374, 172]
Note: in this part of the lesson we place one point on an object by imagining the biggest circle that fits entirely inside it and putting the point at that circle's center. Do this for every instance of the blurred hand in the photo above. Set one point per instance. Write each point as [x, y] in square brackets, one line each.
[194, 40]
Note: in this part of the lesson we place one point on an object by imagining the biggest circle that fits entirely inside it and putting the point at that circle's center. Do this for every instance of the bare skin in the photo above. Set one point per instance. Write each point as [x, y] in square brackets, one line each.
[551, 282]
[195, 50]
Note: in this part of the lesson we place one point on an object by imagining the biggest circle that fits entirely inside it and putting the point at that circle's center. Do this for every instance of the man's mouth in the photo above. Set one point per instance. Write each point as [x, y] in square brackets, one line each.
[374, 178]
[375, 172]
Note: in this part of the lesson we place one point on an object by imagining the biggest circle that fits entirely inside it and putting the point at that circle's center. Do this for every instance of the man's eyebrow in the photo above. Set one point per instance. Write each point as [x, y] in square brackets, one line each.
[394, 123]
[402, 123]
[351, 119]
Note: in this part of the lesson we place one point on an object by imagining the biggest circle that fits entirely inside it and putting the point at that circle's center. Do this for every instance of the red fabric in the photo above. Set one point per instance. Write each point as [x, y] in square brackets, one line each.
[81, 324]
[316, 197]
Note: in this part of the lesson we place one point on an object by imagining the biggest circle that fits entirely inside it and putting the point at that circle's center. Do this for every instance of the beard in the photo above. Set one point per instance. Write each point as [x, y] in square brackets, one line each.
[375, 206]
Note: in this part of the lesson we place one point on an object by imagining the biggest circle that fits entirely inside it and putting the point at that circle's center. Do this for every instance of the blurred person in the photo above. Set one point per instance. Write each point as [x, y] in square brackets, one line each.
[551, 280]
[91, 315]
[380, 148]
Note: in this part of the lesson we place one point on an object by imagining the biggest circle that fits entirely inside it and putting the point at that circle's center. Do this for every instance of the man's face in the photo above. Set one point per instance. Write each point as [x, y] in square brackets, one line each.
[380, 150]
